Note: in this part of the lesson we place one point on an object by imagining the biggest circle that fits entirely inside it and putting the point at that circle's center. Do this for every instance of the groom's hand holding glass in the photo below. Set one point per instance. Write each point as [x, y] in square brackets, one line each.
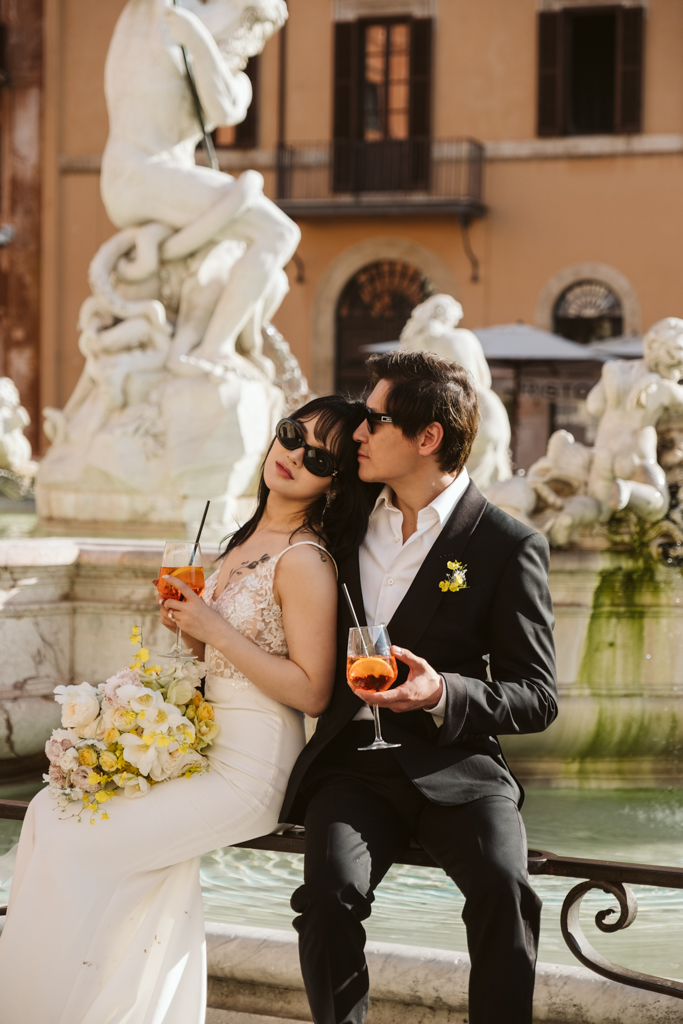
[422, 689]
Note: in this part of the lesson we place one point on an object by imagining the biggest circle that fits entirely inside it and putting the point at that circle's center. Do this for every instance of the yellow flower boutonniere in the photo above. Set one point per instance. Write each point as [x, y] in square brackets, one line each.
[455, 578]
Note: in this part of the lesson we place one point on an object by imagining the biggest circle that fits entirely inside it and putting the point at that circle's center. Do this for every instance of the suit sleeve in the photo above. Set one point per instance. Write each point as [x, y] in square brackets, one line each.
[521, 696]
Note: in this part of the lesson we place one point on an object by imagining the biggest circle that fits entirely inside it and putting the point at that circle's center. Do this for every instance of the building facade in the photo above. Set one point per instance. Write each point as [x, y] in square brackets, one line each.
[525, 156]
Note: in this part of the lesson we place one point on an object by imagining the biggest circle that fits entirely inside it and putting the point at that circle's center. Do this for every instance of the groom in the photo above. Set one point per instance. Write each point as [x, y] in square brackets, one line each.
[477, 662]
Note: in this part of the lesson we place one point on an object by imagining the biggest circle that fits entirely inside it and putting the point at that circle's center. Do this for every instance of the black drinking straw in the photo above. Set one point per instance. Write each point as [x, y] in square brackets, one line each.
[355, 618]
[199, 533]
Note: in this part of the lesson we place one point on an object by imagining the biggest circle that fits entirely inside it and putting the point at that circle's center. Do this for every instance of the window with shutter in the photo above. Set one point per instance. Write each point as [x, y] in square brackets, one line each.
[590, 70]
[382, 104]
[629, 79]
[550, 98]
[346, 102]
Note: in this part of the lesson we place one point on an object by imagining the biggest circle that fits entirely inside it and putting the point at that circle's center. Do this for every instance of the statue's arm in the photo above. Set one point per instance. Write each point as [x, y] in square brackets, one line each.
[596, 400]
[224, 96]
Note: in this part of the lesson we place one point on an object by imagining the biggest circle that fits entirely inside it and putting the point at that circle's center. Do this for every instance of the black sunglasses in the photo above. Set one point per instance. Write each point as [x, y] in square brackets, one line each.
[376, 417]
[316, 460]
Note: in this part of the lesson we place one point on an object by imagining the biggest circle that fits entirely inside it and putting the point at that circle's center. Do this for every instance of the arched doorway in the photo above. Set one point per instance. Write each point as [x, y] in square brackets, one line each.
[373, 307]
[588, 311]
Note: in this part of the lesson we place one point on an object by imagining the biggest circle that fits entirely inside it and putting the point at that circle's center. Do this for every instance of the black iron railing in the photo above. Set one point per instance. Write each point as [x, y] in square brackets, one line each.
[434, 171]
[610, 877]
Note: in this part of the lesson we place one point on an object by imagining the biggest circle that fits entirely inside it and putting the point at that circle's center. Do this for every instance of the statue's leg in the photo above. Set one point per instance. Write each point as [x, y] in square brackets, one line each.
[271, 239]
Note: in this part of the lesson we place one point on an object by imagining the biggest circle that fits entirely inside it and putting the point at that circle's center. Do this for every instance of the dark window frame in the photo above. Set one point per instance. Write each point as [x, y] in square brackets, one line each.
[554, 71]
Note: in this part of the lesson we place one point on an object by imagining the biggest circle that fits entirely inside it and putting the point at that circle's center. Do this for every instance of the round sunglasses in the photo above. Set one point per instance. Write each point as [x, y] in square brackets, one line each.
[316, 460]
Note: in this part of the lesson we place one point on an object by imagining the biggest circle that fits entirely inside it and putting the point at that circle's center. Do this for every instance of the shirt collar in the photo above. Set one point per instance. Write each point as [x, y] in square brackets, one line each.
[443, 504]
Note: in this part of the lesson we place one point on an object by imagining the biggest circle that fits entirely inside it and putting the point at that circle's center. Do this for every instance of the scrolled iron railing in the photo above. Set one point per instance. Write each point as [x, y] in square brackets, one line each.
[610, 877]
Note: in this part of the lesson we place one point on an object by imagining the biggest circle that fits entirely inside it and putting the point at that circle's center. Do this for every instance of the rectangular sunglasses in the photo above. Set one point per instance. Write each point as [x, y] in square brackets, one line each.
[316, 460]
[376, 417]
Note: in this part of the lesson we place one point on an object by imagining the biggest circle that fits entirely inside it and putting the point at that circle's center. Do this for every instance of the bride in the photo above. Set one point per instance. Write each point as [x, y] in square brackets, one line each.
[105, 923]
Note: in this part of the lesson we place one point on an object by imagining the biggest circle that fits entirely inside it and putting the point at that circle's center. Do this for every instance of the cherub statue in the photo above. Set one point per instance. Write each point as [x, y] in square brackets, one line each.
[432, 327]
[149, 177]
[573, 486]
[631, 397]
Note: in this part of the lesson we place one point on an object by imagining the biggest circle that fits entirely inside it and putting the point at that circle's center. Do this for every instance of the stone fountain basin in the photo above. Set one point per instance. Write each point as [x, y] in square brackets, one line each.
[67, 606]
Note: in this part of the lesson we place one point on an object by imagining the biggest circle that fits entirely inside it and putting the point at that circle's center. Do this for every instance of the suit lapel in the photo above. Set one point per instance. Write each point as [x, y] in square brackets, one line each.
[420, 603]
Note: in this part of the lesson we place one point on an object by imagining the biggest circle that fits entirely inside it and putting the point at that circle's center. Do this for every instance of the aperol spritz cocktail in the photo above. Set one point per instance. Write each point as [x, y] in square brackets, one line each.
[182, 560]
[371, 667]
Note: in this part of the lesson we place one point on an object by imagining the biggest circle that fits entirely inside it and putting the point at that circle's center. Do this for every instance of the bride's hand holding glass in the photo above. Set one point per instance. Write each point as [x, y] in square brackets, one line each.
[192, 616]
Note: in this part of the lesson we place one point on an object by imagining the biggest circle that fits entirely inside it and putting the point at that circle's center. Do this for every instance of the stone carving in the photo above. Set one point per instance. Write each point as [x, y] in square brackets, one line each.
[184, 375]
[433, 327]
[573, 486]
[17, 468]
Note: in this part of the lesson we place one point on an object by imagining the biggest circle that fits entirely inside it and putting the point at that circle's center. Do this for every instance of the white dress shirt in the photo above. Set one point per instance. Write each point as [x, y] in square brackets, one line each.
[388, 566]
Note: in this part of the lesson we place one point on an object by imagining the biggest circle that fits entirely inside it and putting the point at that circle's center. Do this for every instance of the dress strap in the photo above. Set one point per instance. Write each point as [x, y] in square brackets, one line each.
[312, 544]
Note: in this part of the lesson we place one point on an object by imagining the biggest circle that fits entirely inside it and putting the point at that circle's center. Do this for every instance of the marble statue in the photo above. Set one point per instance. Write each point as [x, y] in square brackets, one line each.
[574, 486]
[433, 327]
[17, 468]
[184, 374]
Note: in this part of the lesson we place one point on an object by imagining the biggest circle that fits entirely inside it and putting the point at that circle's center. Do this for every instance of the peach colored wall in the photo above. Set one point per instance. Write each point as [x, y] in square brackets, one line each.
[543, 214]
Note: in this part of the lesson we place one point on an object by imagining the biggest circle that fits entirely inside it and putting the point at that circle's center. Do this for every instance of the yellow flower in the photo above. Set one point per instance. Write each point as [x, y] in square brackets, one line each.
[108, 761]
[104, 816]
[88, 757]
[94, 779]
[205, 712]
[143, 654]
[454, 586]
[191, 712]
[111, 735]
[153, 670]
[451, 565]
[443, 585]
[102, 796]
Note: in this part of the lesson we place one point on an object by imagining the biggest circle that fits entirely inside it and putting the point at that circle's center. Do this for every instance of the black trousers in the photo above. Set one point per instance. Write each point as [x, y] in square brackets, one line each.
[362, 812]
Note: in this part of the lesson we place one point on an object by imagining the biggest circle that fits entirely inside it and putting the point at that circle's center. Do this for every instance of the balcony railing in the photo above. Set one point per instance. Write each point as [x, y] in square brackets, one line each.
[397, 176]
[608, 876]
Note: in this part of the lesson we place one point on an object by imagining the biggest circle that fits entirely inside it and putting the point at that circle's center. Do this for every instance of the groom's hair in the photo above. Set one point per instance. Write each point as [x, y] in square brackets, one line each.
[423, 389]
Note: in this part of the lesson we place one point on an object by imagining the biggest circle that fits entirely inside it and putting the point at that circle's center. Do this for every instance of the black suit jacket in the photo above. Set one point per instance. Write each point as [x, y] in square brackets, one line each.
[503, 618]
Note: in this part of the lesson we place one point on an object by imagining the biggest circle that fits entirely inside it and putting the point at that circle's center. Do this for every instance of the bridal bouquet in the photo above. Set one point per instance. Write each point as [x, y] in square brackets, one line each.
[145, 725]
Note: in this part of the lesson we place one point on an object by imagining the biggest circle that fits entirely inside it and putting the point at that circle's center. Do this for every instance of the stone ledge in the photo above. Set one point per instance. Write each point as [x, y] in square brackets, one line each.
[257, 970]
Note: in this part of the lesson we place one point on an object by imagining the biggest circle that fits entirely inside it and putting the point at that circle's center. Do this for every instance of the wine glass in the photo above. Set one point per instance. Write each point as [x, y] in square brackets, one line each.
[371, 666]
[181, 559]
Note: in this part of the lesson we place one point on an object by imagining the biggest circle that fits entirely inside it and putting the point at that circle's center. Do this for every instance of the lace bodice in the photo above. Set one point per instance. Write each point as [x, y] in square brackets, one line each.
[249, 605]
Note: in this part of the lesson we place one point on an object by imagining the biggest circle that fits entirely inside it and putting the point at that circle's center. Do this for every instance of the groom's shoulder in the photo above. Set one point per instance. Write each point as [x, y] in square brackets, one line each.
[508, 530]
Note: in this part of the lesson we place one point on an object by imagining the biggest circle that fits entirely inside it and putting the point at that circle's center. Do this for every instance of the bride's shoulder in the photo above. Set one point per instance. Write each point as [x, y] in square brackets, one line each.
[305, 554]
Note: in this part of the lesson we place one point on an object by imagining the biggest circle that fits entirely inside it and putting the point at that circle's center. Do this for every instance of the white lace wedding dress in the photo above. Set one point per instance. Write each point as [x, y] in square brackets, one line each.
[105, 922]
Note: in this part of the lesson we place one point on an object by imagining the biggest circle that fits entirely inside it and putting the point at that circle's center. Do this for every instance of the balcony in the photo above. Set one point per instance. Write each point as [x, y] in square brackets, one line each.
[397, 177]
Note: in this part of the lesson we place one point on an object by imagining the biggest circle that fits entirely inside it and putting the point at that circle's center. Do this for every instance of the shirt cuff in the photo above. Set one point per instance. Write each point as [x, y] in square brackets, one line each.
[440, 710]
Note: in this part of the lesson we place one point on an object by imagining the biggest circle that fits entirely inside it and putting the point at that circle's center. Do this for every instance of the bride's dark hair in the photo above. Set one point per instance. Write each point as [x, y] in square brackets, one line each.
[341, 524]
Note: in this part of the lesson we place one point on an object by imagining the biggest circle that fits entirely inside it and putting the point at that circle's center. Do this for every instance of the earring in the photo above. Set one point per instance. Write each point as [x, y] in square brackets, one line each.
[328, 501]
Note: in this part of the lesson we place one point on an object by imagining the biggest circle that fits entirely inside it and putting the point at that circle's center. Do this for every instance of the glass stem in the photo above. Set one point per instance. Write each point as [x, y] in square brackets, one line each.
[378, 732]
[177, 638]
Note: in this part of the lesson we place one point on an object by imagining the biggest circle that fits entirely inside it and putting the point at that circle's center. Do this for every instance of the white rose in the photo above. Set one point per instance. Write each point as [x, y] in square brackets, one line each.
[68, 762]
[80, 705]
[89, 732]
[117, 718]
[132, 785]
[174, 763]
